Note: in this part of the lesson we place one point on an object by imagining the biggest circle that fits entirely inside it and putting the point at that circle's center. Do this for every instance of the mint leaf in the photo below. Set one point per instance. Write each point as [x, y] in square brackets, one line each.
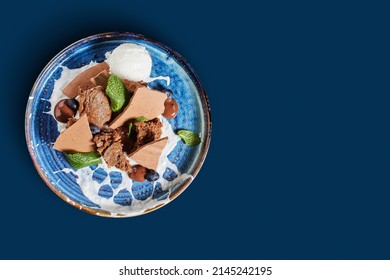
[141, 119]
[130, 128]
[80, 160]
[117, 92]
[189, 137]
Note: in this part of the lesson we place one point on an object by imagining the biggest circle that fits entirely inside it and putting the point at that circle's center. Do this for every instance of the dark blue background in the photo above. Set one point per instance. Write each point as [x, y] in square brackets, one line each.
[298, 166]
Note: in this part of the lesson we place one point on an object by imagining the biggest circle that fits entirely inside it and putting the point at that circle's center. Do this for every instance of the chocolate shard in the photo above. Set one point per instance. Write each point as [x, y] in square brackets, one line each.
[101, 79]
[76, 138]
[149, 154]
[82, 81]
[145, 102]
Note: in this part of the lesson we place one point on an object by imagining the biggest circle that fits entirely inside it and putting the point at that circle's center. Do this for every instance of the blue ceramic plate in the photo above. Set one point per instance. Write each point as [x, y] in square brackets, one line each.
[118, 197]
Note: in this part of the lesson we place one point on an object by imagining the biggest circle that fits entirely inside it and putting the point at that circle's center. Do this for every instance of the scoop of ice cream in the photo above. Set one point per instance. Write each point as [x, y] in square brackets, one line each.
[130, 61]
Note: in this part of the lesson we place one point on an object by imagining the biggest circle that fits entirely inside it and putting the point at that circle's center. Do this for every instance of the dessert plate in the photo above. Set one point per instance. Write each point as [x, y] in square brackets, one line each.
[98, 189]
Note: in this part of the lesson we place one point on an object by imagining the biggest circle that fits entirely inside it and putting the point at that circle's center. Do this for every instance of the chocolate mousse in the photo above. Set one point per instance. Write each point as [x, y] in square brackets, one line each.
[147, 132]
[95, 103]
[83, 80]
[104, 139]
[145, 102]
[110, 144]
[76, 138]
[149, 154]
[114, 156]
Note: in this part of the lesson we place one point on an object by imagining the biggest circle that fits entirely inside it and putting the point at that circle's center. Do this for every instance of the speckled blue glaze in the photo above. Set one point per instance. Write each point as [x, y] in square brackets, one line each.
[169, 174]
[123, 198]
[99, 175]
[115, 179]
[158, 193]
[105, 191]
[42, 130]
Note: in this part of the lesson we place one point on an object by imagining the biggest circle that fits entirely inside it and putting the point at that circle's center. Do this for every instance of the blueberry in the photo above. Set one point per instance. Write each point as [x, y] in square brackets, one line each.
[152, 176]
[94, 129]
[72, 103]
